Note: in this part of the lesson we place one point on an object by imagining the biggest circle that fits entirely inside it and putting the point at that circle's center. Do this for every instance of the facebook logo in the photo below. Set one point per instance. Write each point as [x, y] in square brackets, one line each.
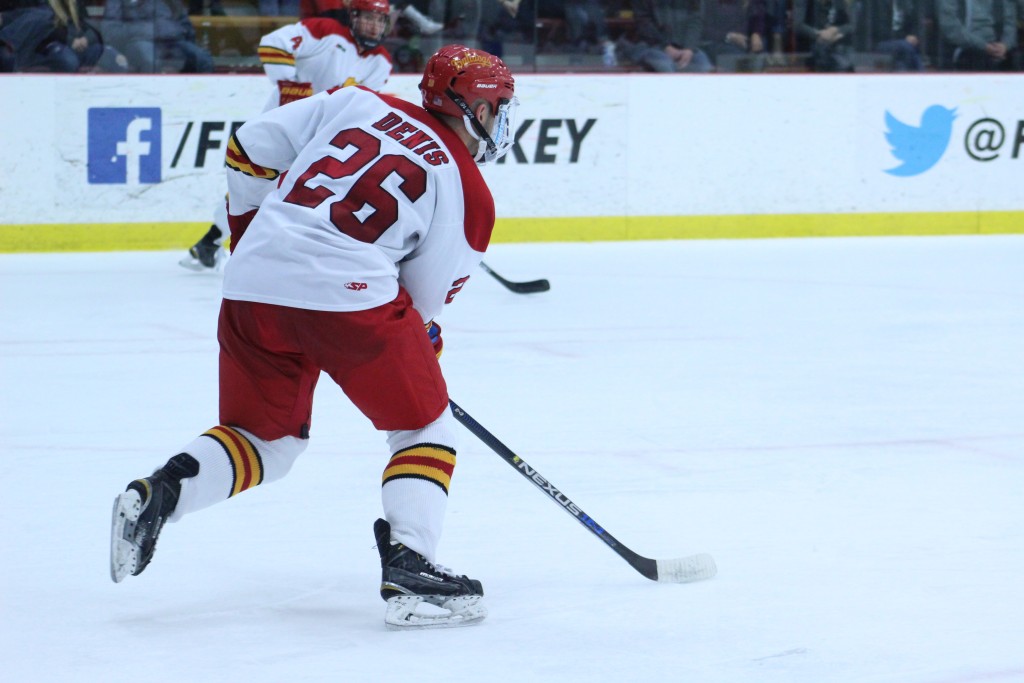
[124, 145]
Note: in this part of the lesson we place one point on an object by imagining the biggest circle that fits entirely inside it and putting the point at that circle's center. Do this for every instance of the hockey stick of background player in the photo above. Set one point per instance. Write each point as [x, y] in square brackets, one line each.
[529, 287]
[680, 570]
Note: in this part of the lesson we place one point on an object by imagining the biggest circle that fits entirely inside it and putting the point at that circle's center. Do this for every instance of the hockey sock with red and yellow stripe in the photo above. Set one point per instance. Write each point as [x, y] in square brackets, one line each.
[414, 492]
[416, 482]
[232, 460]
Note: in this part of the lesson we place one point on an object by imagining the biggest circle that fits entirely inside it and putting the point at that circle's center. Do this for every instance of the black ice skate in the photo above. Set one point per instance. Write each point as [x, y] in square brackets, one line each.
[140, 512]
[408, 580]
[206, 254]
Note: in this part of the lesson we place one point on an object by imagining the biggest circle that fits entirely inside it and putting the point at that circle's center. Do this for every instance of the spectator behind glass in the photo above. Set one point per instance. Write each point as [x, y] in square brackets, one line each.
[668, 34]
[423, 24]
[735, 27]
[78, 44]
[279, 8]
[502, 20]
[24, 28]
[587, 28]
[826, 28]
[893, 30]
[979, 35]
[155, 36]
[780, 26]
[55, 36]
[195, 8]
[331, 9]
[461, 18]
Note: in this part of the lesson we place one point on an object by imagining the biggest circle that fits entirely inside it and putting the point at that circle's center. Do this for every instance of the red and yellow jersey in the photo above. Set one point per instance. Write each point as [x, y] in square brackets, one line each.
[338, 199]
[322, 53]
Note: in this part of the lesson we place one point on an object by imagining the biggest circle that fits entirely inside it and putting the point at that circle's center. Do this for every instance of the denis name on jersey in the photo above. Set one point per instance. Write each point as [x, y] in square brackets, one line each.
[394, 126]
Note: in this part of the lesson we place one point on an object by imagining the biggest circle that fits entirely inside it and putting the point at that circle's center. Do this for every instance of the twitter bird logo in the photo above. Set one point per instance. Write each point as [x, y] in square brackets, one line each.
[919, 148]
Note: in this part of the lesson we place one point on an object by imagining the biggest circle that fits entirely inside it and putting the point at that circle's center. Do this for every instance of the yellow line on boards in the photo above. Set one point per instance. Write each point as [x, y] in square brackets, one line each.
[100, 237]
[160, 236]
[755, 227]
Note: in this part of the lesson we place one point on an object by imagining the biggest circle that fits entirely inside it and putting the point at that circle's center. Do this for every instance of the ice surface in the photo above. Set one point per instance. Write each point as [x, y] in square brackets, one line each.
[839, 422]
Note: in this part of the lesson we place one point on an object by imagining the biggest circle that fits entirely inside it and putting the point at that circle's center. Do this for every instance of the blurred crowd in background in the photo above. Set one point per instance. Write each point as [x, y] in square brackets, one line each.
[599, 36]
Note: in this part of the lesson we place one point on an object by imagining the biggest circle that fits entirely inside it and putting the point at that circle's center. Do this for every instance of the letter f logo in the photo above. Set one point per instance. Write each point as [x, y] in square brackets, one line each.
[133, 148]
[124, 145]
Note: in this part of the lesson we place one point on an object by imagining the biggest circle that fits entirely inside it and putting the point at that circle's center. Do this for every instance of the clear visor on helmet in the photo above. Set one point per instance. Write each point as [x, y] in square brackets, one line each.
[502, 136]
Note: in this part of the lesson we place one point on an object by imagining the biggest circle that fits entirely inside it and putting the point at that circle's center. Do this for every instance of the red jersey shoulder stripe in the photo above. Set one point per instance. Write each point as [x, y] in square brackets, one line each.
[321, 27]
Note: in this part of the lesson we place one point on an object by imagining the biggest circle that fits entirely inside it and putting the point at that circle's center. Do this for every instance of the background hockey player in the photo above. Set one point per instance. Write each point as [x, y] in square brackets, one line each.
[355, 217]
[304, 58]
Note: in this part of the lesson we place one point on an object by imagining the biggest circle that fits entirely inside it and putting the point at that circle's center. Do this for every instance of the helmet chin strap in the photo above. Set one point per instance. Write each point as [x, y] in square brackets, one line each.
[475, 128]
[365, 43]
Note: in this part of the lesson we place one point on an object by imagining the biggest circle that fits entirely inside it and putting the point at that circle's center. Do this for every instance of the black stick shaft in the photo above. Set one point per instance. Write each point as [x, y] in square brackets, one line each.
[645, 566]
[528, 287]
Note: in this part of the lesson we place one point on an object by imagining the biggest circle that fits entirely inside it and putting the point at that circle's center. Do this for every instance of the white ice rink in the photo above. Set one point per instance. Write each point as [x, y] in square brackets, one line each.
[839, 422]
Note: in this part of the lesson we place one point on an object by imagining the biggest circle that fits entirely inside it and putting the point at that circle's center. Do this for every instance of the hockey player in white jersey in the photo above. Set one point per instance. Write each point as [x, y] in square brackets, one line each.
[300, 59]
[355, 219]
[320, 53]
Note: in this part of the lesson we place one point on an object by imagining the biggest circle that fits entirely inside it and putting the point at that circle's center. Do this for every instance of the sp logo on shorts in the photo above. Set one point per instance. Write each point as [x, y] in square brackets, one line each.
[356, 286]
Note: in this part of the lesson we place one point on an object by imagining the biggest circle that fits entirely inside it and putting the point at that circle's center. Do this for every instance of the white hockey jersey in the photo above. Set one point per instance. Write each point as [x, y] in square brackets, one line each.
[357, 193]
[323, 53]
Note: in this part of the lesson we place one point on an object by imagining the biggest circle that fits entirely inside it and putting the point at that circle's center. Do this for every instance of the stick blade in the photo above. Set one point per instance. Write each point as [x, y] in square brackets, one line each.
[687, 569]
[531, 287]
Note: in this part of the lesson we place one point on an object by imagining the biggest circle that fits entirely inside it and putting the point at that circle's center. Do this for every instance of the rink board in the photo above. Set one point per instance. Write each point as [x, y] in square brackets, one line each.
[128, 162]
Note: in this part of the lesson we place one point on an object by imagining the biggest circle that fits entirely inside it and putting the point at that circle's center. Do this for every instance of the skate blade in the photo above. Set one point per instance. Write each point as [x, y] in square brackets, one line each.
[124, 555]
[192, 264]
[411, 612]
[195, 266]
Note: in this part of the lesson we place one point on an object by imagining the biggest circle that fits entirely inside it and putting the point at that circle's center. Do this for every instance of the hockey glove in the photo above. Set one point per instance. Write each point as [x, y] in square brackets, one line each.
[292, 91]
[434, 332]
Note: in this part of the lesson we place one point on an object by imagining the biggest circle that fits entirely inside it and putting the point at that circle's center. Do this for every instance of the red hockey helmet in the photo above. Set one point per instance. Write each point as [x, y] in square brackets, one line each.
[471, 74]
[382, 6]
[457, 77]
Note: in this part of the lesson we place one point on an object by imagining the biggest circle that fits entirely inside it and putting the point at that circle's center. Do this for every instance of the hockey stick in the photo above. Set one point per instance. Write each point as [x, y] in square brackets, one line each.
[530, 287]
[680, 570]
